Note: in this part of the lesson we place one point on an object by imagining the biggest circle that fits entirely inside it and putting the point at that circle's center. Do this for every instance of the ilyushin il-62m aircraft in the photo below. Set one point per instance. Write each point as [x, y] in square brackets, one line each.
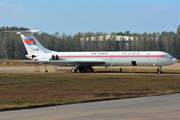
[84, 61]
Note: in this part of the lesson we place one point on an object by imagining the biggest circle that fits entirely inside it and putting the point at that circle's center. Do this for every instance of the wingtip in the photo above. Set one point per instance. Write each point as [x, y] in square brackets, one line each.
[5, 31]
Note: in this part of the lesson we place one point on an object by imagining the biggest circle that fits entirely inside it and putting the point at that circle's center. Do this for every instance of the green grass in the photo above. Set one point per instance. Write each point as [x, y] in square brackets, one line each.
[137, 70]
[27, 90]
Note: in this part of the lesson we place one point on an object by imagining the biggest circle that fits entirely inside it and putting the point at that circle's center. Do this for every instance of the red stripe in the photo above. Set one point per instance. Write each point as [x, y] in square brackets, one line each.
[30, 42]
[30, 56]
[121, 56]
[16, 61]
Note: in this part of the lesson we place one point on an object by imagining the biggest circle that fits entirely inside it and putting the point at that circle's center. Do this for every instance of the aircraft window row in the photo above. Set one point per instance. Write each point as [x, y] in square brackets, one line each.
[128, 53]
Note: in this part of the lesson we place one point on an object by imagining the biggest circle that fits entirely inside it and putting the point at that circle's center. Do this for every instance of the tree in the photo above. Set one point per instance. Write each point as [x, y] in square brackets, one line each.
[178, 42]
[90, 48]
[173, 44]
[153, 45]
[8, 46]
[122, 44]
[129, 44]
[120, 34]
[160, 43]
[135, 42]
[103, 43]
[127, 33]
[149, 42]
[112, 41]
[144, 42]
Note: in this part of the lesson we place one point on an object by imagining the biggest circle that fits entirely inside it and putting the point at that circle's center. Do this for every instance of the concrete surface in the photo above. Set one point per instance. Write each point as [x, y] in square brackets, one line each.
[165, 107]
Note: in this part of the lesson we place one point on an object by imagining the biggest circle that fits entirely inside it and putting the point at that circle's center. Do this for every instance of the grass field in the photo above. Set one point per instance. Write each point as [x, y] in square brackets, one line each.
[135, 70]
[27, 90]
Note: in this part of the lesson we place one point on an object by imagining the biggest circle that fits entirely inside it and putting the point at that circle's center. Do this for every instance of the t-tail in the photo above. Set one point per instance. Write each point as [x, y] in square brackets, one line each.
[32, 45]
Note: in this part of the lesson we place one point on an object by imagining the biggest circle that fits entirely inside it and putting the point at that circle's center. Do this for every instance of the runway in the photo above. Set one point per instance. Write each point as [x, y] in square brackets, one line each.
[165, 107]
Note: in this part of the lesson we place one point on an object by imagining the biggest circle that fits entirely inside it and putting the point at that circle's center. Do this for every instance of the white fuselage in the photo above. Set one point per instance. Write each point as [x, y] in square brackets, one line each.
[126, 58]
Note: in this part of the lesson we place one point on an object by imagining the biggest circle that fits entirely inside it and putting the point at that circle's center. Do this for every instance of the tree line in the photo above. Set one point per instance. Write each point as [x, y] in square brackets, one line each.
[11, 45]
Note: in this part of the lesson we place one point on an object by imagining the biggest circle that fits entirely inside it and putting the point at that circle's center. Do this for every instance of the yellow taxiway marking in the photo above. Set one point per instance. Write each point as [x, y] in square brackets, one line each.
[113, 111]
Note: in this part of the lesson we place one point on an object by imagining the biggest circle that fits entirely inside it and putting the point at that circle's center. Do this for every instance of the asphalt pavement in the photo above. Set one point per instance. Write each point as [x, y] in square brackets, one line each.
[164, 107]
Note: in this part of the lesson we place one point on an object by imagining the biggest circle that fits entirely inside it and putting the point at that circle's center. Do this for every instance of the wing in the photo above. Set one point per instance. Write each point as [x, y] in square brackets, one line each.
[63, 62]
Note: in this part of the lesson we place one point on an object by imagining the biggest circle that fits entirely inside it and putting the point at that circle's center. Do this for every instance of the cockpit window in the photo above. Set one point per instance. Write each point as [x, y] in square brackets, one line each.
[169, 56]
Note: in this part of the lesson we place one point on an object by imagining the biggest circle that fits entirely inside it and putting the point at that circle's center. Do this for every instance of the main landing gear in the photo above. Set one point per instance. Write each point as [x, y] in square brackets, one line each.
[159, 70]
[73, 70]
[83, 69]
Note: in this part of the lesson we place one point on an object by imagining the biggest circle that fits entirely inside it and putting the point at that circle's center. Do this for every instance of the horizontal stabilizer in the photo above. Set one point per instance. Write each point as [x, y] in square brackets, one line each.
[26, 31]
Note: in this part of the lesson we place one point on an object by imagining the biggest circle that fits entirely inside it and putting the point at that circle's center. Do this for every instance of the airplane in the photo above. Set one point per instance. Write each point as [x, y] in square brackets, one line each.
[84, 61]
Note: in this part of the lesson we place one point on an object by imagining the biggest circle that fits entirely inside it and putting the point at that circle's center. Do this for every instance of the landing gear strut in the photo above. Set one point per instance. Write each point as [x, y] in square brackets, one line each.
[159, 70]
[45, 68]
[120, 70]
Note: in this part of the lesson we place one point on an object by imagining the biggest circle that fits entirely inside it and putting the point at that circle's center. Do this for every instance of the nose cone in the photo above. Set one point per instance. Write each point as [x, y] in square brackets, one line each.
[174, 60]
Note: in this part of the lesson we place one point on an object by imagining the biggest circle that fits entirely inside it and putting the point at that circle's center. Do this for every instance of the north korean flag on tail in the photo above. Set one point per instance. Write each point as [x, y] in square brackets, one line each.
[29, 41]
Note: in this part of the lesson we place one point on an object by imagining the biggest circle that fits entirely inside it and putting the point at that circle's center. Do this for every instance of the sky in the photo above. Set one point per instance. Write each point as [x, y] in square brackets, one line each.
[107, 16]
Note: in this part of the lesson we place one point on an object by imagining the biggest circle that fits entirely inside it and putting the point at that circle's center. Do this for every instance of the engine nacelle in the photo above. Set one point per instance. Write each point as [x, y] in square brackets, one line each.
[41, 58]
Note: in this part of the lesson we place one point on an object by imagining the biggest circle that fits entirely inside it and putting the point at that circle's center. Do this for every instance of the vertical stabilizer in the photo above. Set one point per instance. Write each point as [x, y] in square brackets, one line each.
[32, 45]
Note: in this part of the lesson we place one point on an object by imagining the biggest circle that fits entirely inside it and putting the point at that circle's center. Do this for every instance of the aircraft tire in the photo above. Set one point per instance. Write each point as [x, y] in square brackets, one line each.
[159, 72]
[73, 70]
[80, 70]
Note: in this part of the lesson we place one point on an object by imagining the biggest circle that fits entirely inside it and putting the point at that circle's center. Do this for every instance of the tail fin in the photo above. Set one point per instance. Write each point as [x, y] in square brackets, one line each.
[32, 45]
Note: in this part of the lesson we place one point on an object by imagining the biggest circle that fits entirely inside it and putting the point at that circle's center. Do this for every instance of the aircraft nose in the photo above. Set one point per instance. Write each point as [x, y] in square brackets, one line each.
[174, 60]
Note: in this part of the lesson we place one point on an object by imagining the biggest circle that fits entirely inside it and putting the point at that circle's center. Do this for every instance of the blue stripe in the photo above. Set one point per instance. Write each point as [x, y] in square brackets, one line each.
[28, 39]
[30, 44]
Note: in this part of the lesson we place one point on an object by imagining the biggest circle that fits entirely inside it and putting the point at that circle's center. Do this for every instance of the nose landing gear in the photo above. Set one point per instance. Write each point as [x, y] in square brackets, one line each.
[159, 70]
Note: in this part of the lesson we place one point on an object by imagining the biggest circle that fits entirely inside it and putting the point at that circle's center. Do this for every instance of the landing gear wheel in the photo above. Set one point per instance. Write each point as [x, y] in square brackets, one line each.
[73, 70]
[159, 70]
[46, 70]
[80, 70]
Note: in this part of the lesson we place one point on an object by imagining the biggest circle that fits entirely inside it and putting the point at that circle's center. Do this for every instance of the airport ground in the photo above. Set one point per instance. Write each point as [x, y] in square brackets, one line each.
[22, 87]
[27, 90]
[31, 68]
